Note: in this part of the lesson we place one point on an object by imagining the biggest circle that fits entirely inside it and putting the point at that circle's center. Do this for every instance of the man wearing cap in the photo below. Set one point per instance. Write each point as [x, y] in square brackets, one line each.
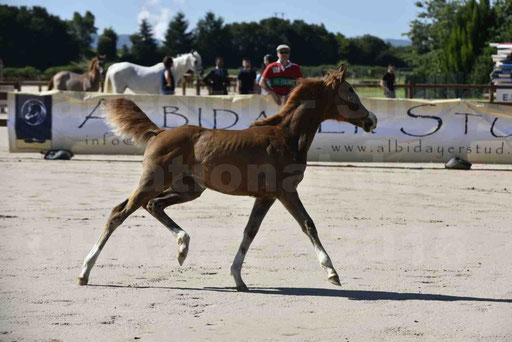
[281, 75]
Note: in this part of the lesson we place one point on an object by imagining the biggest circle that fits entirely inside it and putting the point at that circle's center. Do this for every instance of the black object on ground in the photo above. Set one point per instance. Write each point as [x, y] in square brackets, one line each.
[457, 163]
[58, 155]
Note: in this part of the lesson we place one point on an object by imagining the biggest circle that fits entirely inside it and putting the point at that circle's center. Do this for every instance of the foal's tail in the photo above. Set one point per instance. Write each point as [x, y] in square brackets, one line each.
[128, 120]
[50, 84]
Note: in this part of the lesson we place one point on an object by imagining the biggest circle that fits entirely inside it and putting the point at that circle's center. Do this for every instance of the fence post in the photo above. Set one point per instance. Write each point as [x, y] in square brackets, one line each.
[491, 93]
[411, 89]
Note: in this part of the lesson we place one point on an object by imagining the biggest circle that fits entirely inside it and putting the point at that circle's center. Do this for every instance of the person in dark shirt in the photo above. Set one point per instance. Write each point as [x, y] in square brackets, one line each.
[388, 82]
[167, 79]
[217, 79]
[246, 78]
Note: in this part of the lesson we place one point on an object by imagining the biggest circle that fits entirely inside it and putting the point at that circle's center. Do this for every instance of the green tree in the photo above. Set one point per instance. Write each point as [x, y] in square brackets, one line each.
[312, 44]
[177, 39]
[107, 44]
[212, 39]
[144, 49]
[255, 39]
[125, 54]
[82, 27]
[451, 38]
[341, 43]
[371, 50]
[246, 42]
[469, 34]
[502, 30]
[32, 36]
[430, 30]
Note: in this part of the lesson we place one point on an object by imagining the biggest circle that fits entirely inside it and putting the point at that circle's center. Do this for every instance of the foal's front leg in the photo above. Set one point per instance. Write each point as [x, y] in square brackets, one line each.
[259, 210]
[292, 203]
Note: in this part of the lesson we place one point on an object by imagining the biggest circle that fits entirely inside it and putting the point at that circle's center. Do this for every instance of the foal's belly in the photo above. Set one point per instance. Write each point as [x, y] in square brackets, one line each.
[249, 173]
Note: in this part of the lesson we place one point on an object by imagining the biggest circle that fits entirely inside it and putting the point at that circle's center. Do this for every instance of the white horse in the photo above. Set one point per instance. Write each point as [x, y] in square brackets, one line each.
[146, 80]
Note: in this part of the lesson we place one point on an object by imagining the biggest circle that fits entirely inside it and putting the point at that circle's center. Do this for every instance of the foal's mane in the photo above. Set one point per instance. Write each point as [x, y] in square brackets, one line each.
[308, 89]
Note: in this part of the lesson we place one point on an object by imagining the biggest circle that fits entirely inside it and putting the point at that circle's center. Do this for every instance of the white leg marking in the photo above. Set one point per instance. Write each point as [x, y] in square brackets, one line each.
[90, 260]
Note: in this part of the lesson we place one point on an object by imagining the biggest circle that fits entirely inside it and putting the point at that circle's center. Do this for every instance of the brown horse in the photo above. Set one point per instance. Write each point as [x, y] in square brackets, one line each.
[266, 161]
[89, 81]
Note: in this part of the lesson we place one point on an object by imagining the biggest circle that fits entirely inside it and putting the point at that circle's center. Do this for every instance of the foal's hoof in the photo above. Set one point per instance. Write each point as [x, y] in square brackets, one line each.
[82, 281]
[242, 288]
[183, 242]
[181, 258]
[335, 280]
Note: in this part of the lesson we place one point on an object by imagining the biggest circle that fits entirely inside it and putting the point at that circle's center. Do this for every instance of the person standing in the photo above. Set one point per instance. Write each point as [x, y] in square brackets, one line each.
[217, 79]
[167, 79]
[246, 78]
[281, 75]
[388, 82]
[266, 61]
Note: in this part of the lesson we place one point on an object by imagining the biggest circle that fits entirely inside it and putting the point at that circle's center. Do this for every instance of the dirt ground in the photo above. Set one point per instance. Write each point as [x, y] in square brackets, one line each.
[424, 254]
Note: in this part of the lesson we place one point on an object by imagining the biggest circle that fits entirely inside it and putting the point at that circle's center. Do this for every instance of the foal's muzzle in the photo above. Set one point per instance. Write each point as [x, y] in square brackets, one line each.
[370, 123]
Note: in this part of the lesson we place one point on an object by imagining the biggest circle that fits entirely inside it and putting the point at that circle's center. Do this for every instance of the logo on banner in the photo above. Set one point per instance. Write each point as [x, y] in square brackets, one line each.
[33, 112]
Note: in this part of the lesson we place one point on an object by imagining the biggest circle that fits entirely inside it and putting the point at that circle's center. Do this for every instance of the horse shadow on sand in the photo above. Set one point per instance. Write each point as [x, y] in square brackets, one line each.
[320, 292]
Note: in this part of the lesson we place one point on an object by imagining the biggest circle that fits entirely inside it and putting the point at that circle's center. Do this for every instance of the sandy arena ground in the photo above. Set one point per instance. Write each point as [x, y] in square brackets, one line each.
[424, 254]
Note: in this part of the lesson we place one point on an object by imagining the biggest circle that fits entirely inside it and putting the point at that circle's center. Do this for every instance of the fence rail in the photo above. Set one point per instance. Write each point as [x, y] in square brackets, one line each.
[191, 81]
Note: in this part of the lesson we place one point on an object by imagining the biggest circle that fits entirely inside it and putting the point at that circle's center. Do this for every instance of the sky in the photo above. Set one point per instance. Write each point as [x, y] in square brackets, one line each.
[384, 19]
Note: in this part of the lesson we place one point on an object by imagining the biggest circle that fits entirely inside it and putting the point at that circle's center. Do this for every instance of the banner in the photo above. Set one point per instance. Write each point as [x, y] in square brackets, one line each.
[407, 131]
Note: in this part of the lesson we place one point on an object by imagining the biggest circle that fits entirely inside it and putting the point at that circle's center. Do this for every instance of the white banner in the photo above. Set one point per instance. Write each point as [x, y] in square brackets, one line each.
[408, 130]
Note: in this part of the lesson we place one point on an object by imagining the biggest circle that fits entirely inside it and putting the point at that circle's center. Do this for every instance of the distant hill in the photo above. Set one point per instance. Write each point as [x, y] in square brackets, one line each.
[122, 39]
[398, 42]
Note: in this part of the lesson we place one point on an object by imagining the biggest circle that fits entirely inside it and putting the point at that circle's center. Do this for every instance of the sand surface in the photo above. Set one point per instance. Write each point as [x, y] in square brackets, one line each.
[424, 254]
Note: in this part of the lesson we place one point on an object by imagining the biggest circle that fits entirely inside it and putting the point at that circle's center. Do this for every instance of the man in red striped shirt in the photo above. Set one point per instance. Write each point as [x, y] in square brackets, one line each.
[280, 77]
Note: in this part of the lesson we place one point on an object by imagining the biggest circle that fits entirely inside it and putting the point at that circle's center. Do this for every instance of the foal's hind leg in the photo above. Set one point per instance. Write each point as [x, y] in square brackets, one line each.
[139, 198]
[259, 210]
[293, 204]
[187, 191]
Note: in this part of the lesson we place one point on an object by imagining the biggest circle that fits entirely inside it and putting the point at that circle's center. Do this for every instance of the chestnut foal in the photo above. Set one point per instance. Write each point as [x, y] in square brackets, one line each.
[266, 161]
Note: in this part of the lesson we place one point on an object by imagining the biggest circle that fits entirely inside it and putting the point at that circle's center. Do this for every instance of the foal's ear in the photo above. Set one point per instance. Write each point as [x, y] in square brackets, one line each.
[343, 72]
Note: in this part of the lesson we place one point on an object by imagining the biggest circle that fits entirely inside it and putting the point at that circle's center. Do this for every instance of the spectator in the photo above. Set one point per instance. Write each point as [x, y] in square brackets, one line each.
[282, 76]
[388, 82]
[217, 79]
[266, 61]
[246, 78]
[167, 79]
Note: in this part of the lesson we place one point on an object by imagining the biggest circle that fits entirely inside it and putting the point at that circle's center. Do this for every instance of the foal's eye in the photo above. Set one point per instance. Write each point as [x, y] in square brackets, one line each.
[353, 107]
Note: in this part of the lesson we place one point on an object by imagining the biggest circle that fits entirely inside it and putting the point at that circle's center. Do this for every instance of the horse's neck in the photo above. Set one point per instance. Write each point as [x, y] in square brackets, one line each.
[302, 124]
[94, 76]
[180, 66]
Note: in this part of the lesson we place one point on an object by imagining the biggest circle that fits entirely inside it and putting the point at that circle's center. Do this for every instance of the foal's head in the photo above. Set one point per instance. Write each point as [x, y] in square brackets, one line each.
[344, 103]
[97, 63]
